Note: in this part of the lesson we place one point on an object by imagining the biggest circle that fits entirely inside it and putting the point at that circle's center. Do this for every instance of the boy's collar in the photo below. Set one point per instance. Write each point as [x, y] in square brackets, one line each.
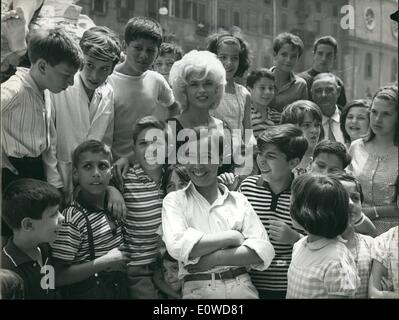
[321, 243]
[224, 191]
[25, 75]
[263, 183]
[17, 256]
[143, 176]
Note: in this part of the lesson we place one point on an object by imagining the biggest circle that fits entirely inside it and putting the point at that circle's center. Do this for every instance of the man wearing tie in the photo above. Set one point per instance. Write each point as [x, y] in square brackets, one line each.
[325, 93]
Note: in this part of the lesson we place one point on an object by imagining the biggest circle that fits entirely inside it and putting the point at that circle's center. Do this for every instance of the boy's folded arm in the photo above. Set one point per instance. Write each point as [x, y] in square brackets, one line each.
[238, 256]
[212, 242]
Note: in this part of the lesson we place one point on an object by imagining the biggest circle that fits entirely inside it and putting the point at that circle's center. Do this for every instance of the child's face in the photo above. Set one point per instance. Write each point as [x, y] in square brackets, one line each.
[383, 117]
[164, 63]
[272, 163]
[357, 122]
[175, 183]
[229, 55]
[326, 163]
[170, 271]
[47, 227]
[200, 168]
[200, 93]
[263, 92]
[287, 57]
[311, 129]
[323, 58]
[149, 148]
[140, 55]
[93, 172]
[59, 77]
[95, 72]
[355, 204]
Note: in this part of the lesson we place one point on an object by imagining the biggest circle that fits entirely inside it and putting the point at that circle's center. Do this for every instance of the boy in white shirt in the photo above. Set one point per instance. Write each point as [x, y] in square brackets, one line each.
[85, 110]
[214, 233]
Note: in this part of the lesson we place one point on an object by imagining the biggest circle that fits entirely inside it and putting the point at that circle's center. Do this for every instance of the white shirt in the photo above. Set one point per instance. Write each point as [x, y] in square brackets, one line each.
[187, 216]
[76, 120]
[339, 137]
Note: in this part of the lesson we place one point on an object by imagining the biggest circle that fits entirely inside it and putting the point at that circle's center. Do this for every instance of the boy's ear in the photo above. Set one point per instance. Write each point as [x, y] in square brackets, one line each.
[26, 224]
[42, 65]
[293, 163]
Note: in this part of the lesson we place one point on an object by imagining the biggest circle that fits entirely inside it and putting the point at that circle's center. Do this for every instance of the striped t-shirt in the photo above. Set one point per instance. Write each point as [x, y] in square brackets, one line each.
[72, 243]
[258, 124]
[276, 206]
[143, 198]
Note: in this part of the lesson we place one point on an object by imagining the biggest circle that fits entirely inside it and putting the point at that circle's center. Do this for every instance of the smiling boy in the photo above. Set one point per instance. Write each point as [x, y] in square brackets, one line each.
[281, 149]
[214, 233]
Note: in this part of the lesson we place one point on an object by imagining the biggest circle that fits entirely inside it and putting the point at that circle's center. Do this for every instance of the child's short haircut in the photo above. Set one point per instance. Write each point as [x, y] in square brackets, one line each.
[295, 113]
[287, 38]
[328, 40]
[346, 176]
[333, 147]
[101, 43]
[388, 93]
[257, 74]
[93, 146]
[149, 122]
[55, 47]
[320, 204]
[359, 103]
[287, 138]
[179, 169]
[173, 48]
[145, 28]
[216, 39]
[203, 62]
[27, 198]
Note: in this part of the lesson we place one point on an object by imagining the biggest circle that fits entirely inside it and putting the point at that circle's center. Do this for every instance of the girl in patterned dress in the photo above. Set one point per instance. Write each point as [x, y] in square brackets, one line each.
[375, 160]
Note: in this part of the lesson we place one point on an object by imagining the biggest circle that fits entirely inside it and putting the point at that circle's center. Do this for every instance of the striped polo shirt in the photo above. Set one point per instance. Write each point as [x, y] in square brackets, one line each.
[72, 243]
[276, 206]
[143, 198]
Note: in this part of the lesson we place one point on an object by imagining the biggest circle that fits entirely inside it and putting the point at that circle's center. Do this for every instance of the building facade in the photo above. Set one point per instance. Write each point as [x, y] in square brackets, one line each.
[367, 56]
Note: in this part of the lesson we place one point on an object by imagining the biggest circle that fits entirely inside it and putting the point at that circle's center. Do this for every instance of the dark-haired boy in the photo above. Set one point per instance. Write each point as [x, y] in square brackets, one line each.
[30, 209]
[281, 149]
[169, 53]
[143, 197]
[138, 90]
[88, 246]
[325, 51]
[329, 157]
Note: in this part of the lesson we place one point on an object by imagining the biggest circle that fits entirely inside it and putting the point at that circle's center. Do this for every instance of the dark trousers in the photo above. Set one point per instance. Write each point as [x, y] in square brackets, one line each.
[27, 168]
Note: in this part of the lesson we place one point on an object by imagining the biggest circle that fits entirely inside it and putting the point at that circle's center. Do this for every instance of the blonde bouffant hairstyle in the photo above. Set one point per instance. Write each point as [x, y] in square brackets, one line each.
[204, 63]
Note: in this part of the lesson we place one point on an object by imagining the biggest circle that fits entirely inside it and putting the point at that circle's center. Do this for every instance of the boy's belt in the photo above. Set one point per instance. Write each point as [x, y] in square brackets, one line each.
[229, 274]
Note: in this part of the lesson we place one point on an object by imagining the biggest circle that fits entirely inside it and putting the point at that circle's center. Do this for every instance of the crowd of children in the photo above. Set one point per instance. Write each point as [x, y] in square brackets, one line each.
[136, 178]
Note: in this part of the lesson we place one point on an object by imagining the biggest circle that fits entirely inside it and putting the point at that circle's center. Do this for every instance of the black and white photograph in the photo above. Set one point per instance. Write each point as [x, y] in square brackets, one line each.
[219, 150]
